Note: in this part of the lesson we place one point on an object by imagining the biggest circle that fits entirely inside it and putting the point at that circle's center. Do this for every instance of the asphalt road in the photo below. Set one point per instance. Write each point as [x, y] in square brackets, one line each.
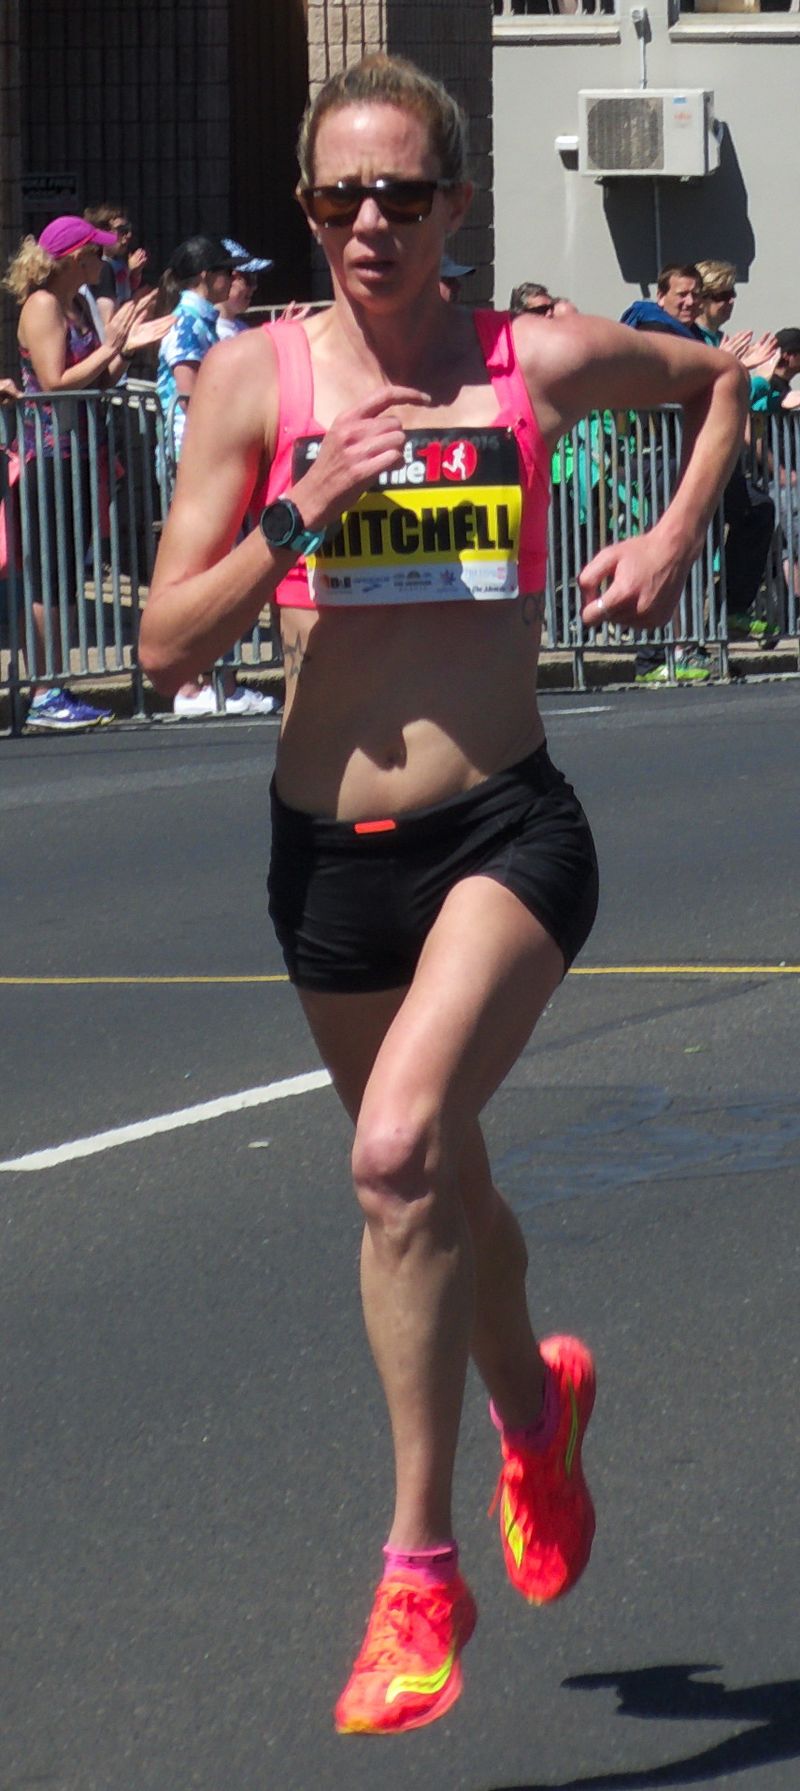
[196, 1467]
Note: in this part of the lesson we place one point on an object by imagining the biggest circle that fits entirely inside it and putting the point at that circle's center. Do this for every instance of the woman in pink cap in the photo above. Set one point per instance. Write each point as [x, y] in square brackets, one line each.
[60, 351]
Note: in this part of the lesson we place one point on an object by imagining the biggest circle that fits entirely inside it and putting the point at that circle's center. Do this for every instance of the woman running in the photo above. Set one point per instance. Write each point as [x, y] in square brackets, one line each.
[433, 874]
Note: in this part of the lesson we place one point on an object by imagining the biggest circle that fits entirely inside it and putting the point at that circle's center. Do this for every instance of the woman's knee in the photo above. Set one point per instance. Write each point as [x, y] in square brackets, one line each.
[399, 1170]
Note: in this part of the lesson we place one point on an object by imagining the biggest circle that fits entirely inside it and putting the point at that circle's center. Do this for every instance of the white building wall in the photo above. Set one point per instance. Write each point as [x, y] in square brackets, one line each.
[598, 243]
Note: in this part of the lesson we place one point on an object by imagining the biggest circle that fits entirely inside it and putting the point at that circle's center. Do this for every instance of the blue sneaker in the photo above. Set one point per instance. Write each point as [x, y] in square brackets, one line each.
[61, 713]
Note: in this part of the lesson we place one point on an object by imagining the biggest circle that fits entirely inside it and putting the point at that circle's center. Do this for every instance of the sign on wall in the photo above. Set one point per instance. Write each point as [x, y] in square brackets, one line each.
[50, 192]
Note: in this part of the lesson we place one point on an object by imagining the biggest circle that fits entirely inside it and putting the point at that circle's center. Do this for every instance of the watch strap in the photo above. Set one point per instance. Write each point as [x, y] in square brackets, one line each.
[302, 540]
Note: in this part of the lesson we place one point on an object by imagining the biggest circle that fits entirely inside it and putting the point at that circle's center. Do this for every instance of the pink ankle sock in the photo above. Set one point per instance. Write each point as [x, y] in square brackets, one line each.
[430, 1566]
[539, 1435]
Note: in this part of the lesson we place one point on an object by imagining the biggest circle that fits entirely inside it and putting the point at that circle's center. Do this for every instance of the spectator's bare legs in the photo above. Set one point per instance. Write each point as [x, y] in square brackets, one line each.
[39, 661]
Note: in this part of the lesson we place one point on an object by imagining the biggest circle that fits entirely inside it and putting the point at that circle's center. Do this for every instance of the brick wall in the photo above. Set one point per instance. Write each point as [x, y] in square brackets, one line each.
[131, 97]
[136, 99]
[452, 39]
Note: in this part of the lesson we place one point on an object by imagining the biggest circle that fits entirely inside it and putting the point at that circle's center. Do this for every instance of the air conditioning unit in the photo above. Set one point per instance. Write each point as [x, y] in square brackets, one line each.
[651, 131]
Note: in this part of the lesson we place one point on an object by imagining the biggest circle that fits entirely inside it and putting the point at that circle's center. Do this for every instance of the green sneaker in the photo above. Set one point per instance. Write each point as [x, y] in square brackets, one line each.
[738, 627]
[752, 628]
[692, 667]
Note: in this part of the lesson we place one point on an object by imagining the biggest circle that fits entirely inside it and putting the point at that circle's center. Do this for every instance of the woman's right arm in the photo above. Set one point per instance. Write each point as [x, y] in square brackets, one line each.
[208, 590]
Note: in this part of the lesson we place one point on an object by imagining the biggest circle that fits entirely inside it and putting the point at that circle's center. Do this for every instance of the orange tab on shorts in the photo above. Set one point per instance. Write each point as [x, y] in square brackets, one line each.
[374, 826]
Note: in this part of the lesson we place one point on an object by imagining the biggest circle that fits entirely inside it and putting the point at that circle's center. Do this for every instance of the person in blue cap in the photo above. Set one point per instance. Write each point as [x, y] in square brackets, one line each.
[244, 280]
[451, 274]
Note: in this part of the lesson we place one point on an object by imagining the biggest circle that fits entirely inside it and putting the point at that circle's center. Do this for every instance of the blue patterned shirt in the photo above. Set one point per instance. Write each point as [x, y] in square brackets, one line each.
[193, 333]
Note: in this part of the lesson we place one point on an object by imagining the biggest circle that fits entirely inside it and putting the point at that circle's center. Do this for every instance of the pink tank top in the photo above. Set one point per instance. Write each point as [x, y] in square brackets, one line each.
[515, 414]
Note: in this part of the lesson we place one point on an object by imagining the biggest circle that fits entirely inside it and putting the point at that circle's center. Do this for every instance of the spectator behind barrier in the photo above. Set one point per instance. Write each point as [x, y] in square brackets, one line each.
[531, 297]
[673, 312]
[676, 306]
[717, 300]
[197, 279]
[776, 374]
[451, 274]
[749, 513]
[781, 368]
[244, 280]
[122, 269]
[60, 352]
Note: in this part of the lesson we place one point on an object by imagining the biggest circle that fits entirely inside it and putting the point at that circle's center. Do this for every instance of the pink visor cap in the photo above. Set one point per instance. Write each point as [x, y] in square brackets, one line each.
[62, 235]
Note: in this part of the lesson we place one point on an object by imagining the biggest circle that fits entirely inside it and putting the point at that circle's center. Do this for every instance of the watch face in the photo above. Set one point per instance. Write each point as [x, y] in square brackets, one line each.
[278, 523]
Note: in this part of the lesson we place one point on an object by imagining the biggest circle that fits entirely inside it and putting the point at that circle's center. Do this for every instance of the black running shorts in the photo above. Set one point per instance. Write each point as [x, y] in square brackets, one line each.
[352, 903]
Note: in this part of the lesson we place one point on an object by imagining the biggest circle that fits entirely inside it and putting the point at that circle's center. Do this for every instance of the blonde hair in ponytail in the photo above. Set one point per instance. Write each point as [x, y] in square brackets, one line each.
[379, 79]
[29, 269]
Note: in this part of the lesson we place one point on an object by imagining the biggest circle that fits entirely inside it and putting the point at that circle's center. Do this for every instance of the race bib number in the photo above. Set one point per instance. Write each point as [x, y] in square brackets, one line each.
[441, 528]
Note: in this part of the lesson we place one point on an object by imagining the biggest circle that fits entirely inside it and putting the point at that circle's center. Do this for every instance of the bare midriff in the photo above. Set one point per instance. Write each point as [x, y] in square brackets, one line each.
[396, 708]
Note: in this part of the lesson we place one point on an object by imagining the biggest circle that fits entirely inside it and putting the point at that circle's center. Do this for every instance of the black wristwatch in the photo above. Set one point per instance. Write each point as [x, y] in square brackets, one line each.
[283, 526]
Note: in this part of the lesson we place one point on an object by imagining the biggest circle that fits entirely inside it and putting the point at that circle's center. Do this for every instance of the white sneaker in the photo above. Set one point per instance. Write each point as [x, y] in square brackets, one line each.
[196, 702]
[244, 701]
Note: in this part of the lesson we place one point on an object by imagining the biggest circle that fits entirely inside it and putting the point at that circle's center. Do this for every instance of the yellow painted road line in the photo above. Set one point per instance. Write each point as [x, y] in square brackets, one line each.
[687, 970]
[123, 982]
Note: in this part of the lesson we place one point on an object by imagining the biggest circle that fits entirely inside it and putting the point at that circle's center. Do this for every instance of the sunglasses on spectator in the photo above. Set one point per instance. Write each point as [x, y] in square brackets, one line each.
[398, 201]
[545, 310]
[722, 297]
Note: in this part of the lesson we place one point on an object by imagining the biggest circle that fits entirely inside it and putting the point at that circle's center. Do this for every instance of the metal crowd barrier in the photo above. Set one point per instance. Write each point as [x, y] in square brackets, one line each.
[82, 506]
[83, 486]
[613, 476]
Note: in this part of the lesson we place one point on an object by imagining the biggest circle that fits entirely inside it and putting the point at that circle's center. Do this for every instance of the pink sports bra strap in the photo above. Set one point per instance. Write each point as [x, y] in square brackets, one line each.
[295, 378]
[494, 334]
[493, 330]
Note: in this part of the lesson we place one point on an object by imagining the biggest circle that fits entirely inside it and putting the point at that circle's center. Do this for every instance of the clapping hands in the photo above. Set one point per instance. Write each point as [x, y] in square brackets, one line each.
[755, 353]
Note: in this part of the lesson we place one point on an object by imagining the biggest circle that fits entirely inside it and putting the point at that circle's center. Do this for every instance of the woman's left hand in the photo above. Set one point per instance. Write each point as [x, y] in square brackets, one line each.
[644, 577]
[9, 393]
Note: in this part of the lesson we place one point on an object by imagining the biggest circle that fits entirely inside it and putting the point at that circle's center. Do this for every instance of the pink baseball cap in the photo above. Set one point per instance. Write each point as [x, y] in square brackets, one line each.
[62, 235]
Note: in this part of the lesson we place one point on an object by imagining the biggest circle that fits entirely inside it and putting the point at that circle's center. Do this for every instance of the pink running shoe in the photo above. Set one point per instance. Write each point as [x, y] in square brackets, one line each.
[408, 1671]
[546, 1511]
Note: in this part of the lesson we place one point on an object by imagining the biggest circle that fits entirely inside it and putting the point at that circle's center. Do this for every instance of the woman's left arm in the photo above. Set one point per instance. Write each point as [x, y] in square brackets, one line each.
[588, 364]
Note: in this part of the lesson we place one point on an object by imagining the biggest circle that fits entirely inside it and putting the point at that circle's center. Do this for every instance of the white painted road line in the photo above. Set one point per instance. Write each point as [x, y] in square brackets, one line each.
[169, 1122]
[575, 711]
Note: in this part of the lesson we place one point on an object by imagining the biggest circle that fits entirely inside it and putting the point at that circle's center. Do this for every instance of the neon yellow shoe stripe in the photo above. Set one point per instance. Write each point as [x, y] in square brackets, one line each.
[572, 1440]
[511, 1529]
[422, 1682]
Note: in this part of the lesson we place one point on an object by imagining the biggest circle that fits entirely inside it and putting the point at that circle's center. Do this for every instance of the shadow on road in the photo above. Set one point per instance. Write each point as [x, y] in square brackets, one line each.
[673, 1691]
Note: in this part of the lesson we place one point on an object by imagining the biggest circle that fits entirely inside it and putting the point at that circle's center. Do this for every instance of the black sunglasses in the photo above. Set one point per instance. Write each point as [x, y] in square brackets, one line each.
[398, 201]
[722, 297]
